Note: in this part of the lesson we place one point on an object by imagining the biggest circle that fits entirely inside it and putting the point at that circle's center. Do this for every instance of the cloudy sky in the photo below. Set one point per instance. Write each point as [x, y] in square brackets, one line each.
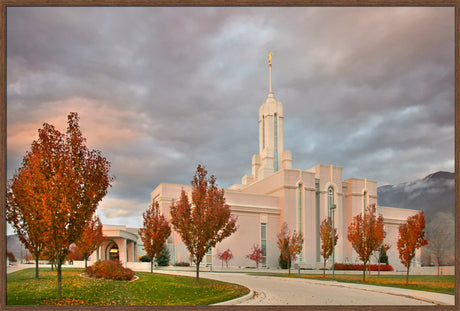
[160, 90]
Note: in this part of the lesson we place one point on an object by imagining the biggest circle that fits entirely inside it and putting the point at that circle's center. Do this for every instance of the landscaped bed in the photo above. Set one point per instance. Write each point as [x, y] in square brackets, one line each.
[149, 289]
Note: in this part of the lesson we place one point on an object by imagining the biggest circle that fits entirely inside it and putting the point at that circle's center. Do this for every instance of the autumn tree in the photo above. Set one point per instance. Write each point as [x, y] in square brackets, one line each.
[225, 256]
[290, 244]
[91, 238]
[366, 234]
[74, 254]
[154, 233]
[206, 220]
[325, 234]
[257, 255]
[411, 237]
[24, 210]
[62, 183]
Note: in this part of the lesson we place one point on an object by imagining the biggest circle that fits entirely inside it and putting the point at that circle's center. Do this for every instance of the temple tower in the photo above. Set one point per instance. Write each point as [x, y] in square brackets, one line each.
[272, 157]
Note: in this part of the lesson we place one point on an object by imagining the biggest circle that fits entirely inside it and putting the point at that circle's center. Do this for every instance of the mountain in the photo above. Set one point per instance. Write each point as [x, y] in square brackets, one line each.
[432, 194]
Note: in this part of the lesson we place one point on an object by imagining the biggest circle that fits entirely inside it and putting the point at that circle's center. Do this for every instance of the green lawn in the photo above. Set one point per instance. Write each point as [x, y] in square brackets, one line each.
[149, 289]
[430, 283]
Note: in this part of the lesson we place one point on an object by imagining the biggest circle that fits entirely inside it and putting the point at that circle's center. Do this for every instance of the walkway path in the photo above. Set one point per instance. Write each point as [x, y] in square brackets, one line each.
[293, 291]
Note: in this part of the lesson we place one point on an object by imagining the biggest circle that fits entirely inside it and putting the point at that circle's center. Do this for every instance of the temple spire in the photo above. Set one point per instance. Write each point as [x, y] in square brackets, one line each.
[270, 73]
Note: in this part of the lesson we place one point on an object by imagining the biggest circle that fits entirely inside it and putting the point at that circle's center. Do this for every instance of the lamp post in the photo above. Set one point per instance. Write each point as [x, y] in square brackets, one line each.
[333, 206]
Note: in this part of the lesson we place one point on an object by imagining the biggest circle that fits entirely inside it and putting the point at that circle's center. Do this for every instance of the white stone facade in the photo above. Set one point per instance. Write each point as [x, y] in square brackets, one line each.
[275, 193]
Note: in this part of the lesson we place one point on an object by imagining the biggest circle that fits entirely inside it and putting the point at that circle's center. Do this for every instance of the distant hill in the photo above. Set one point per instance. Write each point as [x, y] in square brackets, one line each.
[434, 193]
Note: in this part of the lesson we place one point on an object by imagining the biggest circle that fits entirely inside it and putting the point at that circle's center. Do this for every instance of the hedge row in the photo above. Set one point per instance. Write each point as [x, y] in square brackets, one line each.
[373, 267]
[110, 269]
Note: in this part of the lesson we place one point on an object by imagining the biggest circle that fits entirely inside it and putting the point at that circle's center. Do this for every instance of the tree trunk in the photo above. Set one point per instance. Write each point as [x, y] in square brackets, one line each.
[86, 262]
[438, 269]
[364, 272]
[151, 265]
[379, 269]
[198, 272]
[289, 267]
[36, 267]
[407, 275]
[324, 268]
[59, 278]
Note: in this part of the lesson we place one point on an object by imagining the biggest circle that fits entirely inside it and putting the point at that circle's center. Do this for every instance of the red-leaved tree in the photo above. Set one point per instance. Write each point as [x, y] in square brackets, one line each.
[74, 254]
[206, 220]
[325, 234]
[290, 244]
[366, 234]
[154, 233]
[225, 256]
[66, 181]
[257, 255]
[91, 238]
[411, 237]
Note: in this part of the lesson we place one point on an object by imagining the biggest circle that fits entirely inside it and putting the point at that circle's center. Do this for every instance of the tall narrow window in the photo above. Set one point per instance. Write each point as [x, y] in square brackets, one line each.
[364, 201]
[330, 199]
[276, 142]
[263, 242]
[299, 207]
[263, 132]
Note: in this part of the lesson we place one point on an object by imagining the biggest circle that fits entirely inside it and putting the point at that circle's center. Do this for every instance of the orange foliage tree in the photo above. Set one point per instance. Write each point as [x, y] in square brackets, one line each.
[366, 234]
[206, 220]
[257, 255]
[411, 237]
[91, 238]
[290, 244]
[63, 182]
[325, 234]
[154, 233]
[24, 211]
[225, 256]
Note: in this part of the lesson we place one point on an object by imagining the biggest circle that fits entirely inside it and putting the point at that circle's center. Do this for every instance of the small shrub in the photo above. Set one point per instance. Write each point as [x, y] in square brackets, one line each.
[144, 258]
[283, 263]
[182, 264]
[110, 269]
[373, 267]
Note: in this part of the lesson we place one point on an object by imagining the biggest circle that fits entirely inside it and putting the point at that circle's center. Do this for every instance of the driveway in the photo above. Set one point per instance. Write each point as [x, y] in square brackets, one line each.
[292, 291]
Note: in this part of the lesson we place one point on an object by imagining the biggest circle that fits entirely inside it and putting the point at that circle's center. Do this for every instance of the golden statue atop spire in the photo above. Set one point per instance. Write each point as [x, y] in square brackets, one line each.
[270, 73]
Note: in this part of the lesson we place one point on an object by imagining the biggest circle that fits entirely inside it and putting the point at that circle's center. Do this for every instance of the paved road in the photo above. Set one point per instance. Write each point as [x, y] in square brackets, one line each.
[284, 291]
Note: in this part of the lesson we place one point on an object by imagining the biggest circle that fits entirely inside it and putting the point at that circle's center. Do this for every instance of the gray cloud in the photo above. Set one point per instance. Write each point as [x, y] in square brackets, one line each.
[160, 90]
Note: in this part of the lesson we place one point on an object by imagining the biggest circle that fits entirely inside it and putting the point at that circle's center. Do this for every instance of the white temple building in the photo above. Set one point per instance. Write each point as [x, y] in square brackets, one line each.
[275, 193]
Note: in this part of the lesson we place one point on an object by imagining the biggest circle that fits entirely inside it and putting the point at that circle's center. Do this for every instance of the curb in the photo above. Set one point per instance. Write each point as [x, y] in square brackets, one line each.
[236, 300]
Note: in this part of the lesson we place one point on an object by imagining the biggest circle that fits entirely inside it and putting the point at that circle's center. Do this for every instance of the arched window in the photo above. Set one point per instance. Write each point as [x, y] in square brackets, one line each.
[299, 208]
[330, 199]
[114, 252]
